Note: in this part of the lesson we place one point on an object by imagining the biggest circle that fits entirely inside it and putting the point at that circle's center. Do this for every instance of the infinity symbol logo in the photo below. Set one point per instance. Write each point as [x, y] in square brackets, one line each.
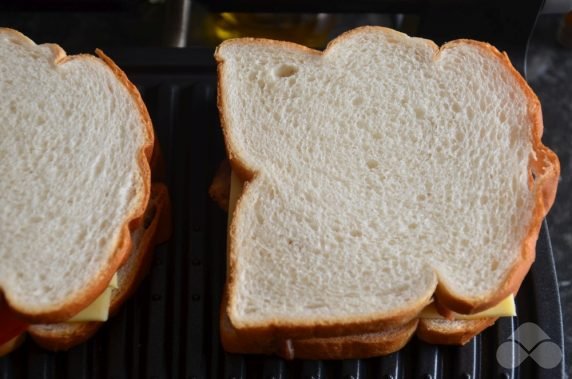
[529, 340]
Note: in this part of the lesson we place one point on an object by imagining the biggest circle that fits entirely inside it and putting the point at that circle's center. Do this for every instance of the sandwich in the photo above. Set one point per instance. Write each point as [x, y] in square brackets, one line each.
[80, 214]
[386, 187]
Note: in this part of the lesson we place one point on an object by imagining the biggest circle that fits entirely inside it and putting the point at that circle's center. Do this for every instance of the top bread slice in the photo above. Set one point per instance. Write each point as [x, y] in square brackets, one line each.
[380, 173]
[76, 140]
[155, 229]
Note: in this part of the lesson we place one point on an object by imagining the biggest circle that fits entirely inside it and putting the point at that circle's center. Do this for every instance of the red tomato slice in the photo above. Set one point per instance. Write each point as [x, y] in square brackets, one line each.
[10, 325]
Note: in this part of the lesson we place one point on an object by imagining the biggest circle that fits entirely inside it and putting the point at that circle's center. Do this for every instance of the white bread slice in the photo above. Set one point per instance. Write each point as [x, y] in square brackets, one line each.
[155, 229]
[382, 158]
[76, 140]
[450, 332]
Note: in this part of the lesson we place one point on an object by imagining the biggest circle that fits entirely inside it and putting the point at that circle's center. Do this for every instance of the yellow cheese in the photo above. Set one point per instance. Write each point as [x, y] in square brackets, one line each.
[114, 283]
[505, 308]
[99, 309]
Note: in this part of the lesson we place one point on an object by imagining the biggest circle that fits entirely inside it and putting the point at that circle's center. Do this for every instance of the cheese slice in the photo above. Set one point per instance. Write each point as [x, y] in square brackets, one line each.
[505, 308]
[99, 309]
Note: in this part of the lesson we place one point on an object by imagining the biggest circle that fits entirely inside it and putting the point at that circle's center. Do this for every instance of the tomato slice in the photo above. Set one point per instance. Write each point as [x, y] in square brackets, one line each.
[10, 325]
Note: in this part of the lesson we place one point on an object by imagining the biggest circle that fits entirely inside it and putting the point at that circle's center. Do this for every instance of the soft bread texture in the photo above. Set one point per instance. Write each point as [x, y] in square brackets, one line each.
[449, 332]
[155, 229]
[76, 140]
[380, 173]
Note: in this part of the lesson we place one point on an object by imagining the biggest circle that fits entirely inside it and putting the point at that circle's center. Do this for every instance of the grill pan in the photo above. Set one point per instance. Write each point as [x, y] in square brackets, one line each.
[169, 329]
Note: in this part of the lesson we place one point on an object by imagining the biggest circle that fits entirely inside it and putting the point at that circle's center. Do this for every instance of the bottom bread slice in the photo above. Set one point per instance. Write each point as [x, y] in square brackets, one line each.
[346, 347]
[452, 332]
[155, 229]
[357, 346]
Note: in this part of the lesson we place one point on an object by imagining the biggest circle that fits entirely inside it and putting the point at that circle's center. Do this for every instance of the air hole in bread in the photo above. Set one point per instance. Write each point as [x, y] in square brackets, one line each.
[456, 107]
[372, 164]
[315, 306]
[412, 226]
[356, 233]
[376, 135]
[494, 264]
[357, 101]
[81, 237]
[259, 218]
[361, 124]
[261, 84]
[484, 199]
[419, 113]
[421, 197]
[513, 138]
[470, 113]
[483, 105]
[285, 70]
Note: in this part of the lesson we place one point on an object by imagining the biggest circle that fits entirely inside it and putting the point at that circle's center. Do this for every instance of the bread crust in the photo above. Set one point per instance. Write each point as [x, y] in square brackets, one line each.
[545, 166]
[354, 346]
[432, 332]
[344, 347]
[350, 347]
[157, 231]
[83, 297]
